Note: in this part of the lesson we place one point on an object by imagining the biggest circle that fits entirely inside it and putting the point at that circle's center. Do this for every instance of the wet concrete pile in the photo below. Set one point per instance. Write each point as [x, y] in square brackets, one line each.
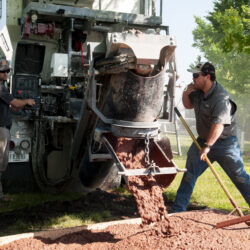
[146, 189]
[194, 230]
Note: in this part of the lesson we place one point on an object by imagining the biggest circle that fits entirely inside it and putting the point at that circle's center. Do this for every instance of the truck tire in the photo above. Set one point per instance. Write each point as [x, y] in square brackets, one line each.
[112, 180]
[92, 174]
[41, 163]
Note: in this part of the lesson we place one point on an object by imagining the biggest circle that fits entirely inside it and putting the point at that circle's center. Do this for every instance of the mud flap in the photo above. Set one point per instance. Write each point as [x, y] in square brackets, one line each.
[161, 154]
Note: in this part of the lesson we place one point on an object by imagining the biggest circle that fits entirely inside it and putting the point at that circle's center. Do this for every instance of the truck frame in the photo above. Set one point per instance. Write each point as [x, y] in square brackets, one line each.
[70, 56]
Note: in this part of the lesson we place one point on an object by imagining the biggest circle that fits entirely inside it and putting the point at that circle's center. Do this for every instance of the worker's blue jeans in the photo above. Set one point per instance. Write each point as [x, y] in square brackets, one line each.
[4, 153]
[228, 154]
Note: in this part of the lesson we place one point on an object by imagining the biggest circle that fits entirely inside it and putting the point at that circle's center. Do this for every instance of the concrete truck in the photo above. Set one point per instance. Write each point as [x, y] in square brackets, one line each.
[98, 70]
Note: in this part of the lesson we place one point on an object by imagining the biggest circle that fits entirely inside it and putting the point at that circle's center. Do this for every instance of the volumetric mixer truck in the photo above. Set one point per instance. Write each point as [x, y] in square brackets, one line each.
[98, 70]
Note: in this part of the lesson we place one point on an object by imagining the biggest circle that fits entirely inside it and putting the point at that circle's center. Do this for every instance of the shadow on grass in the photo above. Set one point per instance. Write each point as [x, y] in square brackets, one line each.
[108, 206]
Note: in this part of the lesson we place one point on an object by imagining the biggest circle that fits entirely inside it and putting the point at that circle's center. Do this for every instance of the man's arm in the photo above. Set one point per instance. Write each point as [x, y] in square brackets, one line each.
[18, 104]
[185, 96]
[213, 135]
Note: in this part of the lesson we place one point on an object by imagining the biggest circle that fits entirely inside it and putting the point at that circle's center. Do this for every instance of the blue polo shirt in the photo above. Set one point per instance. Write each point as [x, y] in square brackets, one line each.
[5, 99]
[216, 107]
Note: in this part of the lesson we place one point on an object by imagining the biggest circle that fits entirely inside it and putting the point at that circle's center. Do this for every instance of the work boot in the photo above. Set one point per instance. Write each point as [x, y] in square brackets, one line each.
[170, 210]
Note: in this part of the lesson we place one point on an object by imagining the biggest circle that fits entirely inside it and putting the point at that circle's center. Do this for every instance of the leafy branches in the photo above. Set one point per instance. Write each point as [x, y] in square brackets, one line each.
[224, 39]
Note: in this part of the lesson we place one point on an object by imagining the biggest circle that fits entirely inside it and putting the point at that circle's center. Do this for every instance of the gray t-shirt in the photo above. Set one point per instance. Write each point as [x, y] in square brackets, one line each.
[216, 107]
[5, 99]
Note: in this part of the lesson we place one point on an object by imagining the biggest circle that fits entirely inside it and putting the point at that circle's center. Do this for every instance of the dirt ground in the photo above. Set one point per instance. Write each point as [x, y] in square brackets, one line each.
[119, 205]
[190, 230]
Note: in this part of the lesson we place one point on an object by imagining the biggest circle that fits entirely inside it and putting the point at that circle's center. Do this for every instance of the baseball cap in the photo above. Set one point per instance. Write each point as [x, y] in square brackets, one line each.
[205, 67]
[4, 65]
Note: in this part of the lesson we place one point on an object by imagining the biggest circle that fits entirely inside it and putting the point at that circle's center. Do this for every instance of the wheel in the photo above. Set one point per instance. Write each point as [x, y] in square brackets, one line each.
[51, 165]
[92, 174]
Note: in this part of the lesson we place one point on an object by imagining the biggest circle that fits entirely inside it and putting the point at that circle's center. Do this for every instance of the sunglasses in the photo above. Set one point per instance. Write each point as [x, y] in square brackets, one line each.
[196, 75]
[5, 71]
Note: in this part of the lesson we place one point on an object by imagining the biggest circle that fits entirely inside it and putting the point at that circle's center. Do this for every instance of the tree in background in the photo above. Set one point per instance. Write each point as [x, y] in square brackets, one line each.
[224, 39]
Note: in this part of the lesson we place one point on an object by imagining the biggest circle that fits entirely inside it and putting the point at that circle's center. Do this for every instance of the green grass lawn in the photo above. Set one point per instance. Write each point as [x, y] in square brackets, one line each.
[207, 190]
